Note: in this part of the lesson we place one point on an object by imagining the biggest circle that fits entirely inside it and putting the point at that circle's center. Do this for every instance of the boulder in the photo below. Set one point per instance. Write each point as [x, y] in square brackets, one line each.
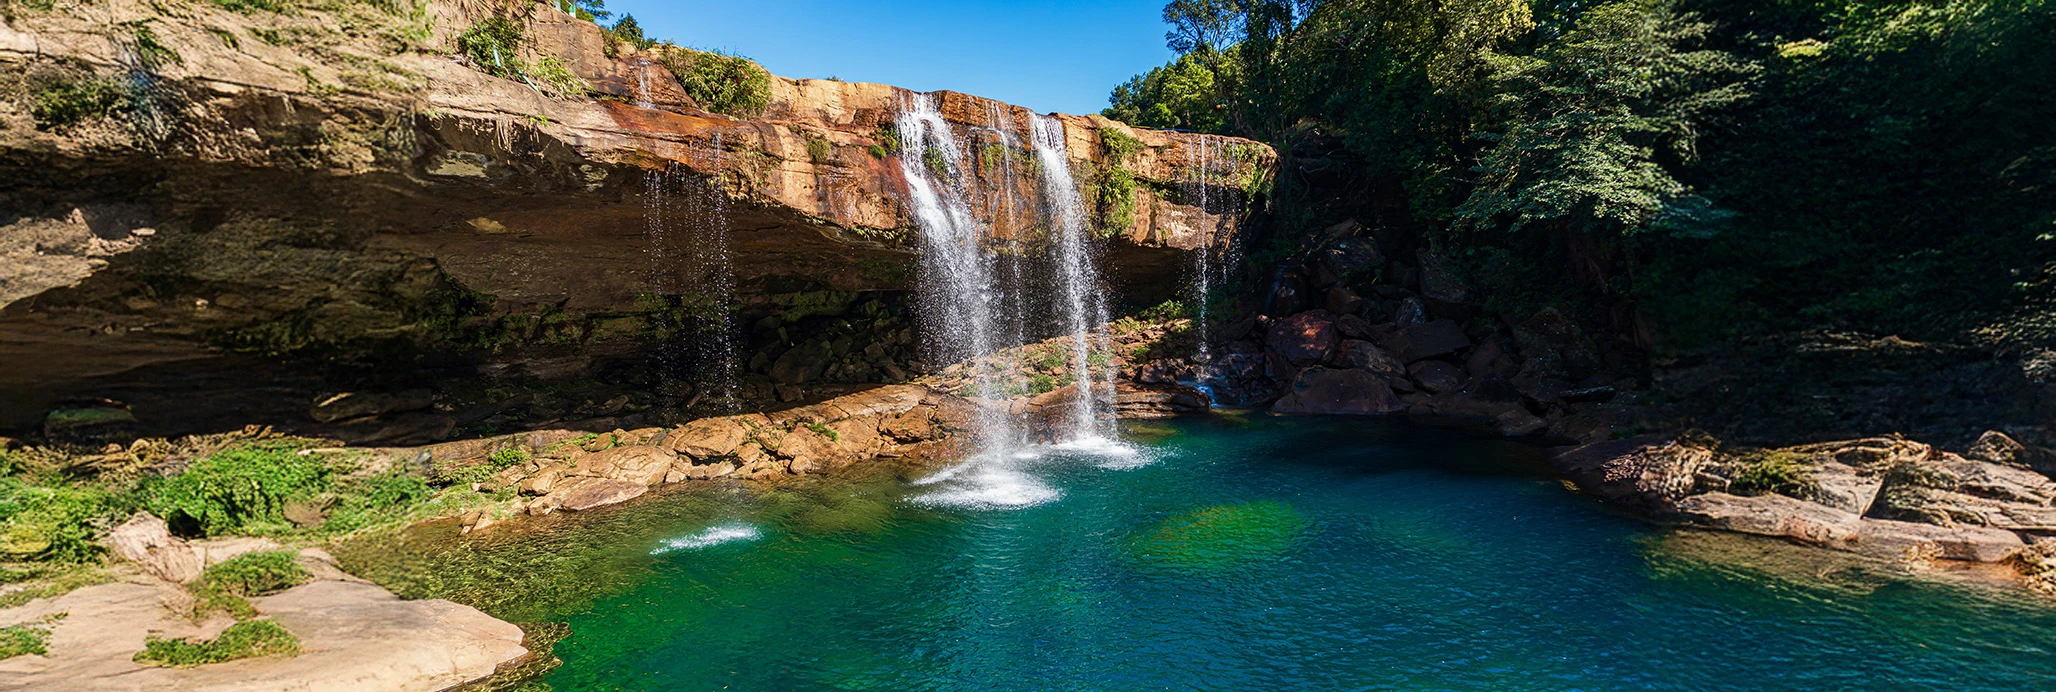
[1427, 340]
[1323, 390]
[803, 363]
[1158, 401]
[1900, 539]
[1364, 355]
[1771, 515]
[1355, 327]
[1436, 376]
[635, 464]
[145, 540]
[1305, 338]
[708, 438]
[1845, 487]
[1998, 448]
[1651, 472]
[582, 493]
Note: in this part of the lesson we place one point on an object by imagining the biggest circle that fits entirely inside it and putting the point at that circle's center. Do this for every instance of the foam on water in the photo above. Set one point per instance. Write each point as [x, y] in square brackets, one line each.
[711, 536]
[986, 482]
[1108, 452]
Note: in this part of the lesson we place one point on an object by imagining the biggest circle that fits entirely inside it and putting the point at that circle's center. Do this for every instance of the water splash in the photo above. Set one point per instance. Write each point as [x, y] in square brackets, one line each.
[711, 536]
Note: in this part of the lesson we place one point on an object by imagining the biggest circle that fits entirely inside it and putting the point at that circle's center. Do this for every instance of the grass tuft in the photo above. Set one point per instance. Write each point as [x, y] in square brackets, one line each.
[246, 639]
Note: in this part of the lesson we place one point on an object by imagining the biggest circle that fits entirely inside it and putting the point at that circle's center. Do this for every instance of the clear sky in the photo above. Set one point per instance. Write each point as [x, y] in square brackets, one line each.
[1047, 55]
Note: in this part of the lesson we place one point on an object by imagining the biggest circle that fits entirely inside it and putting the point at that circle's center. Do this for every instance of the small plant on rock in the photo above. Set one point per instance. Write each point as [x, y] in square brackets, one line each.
[494, 45]
[246, 639]
[725, 84]
[1775, 472]
[27, 638]
[227, 586]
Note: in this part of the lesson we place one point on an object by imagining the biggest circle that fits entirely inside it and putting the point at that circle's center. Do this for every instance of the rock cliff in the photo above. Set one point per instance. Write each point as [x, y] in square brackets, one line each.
[182, 181]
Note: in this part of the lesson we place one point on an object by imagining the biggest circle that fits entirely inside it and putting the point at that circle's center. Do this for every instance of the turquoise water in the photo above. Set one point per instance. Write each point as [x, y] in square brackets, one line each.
[1259, 554]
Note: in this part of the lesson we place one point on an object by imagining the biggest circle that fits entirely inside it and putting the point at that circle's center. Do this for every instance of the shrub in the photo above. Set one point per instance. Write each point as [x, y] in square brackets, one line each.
[494, 45]
[551, 72]
[1116, 182]
[60, 101]
[239, 489]
[246, 639]
[628, 31]
[725, 84]
[819, 149]
[376, 499]
[54, 523]
[1783, 473]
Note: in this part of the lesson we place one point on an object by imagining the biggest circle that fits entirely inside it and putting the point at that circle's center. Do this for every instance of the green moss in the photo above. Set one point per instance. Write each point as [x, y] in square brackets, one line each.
[725, 84]
[824, 431]
[1779, 472]
[61, 100]
[27, 638]
[226, 587]
[55, 523]
[819, 149]
[251, 6]
[878, 151]
[888, 138]
[246, 639]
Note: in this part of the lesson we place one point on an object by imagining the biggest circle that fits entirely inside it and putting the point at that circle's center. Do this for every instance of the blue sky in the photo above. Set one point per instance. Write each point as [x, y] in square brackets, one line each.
[1053, 55]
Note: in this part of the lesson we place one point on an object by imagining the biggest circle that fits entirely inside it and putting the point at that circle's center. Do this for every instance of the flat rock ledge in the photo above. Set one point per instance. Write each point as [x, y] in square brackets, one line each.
[354, 636]
[1885, 497]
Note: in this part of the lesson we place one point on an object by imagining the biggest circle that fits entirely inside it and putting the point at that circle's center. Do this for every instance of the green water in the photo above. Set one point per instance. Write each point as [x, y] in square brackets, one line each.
[1267, 553]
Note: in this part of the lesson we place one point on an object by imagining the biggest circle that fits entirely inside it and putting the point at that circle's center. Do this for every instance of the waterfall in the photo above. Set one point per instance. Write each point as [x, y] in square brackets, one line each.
[714, 344]
[959, 293]
[1083, 301]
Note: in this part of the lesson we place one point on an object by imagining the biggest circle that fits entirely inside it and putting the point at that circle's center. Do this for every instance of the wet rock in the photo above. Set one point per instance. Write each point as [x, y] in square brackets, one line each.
[1436, 376]
[1411, 312]
[1323, 390]
[1899, 539]
[1305, 338]
[708, 438]
[145, 540]
[1159, 401]
[635, 464]
[581, 493]
[803, 363]
[353, 405]
[1427, 340]
[90, 421]
[1651, 472]
[1771, 515]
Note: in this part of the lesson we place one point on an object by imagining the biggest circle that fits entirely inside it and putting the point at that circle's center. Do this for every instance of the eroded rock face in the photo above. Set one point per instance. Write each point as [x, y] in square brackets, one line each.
[296, 200]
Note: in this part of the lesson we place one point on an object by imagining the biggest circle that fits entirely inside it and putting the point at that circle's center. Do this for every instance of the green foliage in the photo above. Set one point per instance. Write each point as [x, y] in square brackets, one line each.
[27, 638]
[557, 79]
[588, 10]
[628, 31]
[1184, 95]
[1165, 312]
[251, 6]
[241, 489]
[57, 523]
[824, 431]
[888, 138]
[878, 151]
[494, 45]
[508, 457]
[1587, 117]
[246, 639]
[226, 586]
[1116, 181]
[60, 100]
[818, 149]
[1041, 383]
[725, 84]
[375, 500]
[1783, 473]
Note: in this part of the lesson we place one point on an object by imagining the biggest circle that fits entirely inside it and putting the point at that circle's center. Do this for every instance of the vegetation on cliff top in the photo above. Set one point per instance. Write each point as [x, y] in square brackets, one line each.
[1687, 170]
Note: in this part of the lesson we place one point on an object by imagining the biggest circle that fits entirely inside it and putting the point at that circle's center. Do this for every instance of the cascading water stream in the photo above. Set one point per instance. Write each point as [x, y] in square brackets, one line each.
[715, 342]
[1084, 304]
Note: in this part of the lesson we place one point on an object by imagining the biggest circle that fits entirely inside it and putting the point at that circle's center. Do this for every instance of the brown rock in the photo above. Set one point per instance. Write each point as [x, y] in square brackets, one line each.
[583, 493]
[1322, 390]
[1651, 472]
[349, 405]
[145, 540]
[635, 464]
[1771, 515]
[708, 438]
[1427, 340]
[1886, 538]
[1436, 376]
[542, 482]
[1307, 337]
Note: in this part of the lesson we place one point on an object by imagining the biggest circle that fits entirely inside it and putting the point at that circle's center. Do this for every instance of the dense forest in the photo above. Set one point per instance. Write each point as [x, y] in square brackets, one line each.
[1683, 171]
